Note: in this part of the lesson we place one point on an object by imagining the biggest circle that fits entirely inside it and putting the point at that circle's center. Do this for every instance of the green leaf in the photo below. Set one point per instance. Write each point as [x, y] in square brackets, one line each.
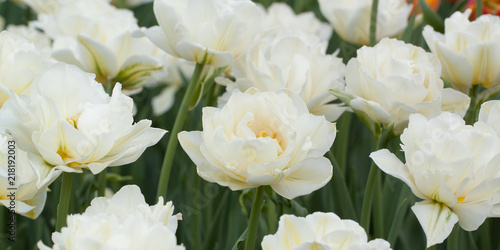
[205, 85]
[240, 240]
[298, 209]
[246, 199]
[198, 92]
[112, 177]
[432, 18]
[409, 28]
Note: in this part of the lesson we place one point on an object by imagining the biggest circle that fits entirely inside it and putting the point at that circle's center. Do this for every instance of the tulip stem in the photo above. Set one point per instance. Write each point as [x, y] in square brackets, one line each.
[479, 8]
[101, 182]
[254, 218]
[373, 23]
[64, 199]
[178, 124]
[470, 117]
[372, 183]
[341, 143]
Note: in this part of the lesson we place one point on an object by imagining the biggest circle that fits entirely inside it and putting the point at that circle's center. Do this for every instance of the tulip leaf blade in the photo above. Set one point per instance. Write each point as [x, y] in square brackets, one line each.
[240, 240]
[432, 18]
[407, 33]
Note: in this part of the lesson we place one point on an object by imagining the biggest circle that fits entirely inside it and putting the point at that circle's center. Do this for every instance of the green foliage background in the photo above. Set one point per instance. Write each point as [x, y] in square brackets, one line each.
[214, 217]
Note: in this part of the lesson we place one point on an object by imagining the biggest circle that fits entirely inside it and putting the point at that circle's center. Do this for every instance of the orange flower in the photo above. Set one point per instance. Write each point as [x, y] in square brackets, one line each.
[489, 7]
[434, 4]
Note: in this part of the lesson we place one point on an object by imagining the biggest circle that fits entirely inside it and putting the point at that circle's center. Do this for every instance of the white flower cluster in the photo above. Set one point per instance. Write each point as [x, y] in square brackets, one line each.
[124, 221]
[453, 167]
[65, 81]
[100, 41]
[320, 231]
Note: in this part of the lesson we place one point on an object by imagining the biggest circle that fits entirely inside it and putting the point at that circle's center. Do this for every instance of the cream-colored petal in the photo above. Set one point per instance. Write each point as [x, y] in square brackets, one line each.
[391, 165]
[309, 176]
[436, 219]
[455, 101]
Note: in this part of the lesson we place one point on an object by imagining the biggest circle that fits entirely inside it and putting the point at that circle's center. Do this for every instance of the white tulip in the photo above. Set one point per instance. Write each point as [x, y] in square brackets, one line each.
[452, 167]
[99, 40]
[262, 138]
[214, 32]
[291, 62]
[44, 6]
[320, 231]
[490, 114]
[72, 123]
[41, 41]
[351, 18]
[124, 221]
[281, 16]
[20, 62]
[392, 80]
[23, 179]
[469, 51]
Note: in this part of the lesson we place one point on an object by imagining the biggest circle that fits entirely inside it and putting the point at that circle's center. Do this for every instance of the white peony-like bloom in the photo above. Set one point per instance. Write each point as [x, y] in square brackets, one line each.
[282, 17]
[291, 62]
[40, 40]
[469, 51]
[44, 6]
[351, 18]
[392, 80]
[262, 138]
[99, 40]
[72, 123]
[23, 179]
[20, 62]
[453, 167]
[490, 114]
[214, 32]
[124, 221]
[320, 231]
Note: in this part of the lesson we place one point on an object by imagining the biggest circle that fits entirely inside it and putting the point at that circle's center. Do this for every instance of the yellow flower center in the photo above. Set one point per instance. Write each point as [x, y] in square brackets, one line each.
[264, 133]
[73, 120]
[271, 134]
[63, 154]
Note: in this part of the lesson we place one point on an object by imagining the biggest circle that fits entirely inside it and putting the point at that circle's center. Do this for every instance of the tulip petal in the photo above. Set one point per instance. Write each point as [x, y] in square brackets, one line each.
[390, 164]
[308, 176]
[195, 52]
[373, 110]
[291, 230]
[437, 220]
[455, 101]
[320, 133]
[99, 57]
[456, 68]
[158, 37]
[190, 142]
[164, 101]
[472, 214]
